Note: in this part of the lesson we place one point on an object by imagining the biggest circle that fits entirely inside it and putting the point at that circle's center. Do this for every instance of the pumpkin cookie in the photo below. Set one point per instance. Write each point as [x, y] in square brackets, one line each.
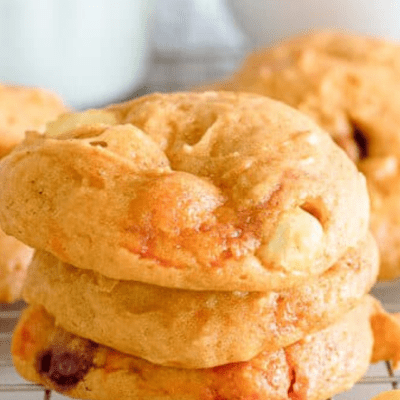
[210, 191]
[22, 109]
[315, 368]
[14, 260]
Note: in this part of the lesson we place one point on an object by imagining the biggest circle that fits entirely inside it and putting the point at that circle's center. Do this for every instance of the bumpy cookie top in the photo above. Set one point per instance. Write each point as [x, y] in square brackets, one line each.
[22, 109]
[217, 191]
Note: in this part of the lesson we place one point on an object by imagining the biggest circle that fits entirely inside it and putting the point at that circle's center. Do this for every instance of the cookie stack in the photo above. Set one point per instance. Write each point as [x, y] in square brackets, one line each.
[21, 108]
[191, 246]
[349, 84]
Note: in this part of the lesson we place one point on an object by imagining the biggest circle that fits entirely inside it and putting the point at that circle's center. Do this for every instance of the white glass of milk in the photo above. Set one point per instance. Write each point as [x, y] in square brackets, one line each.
[91, 52]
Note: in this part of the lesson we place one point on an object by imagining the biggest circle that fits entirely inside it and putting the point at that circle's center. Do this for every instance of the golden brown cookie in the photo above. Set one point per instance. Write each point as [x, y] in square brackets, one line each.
[190, 329]
[387, 336]
[350, 86]
[210, 191]
[22, 109]
[315, 368]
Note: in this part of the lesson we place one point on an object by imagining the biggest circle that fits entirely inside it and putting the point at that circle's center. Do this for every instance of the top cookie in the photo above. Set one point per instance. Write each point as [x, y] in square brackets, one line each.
[22, 109]
[206, 191]
[350, 86]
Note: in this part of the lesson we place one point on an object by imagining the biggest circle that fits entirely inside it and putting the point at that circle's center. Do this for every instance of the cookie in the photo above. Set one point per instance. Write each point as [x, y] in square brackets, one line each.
[193, 329]
[387, 336]
[392, 395]
[315, 368]
[22, 109]
[383, 179]
[210, 191]
[350, 86]
[14, 260]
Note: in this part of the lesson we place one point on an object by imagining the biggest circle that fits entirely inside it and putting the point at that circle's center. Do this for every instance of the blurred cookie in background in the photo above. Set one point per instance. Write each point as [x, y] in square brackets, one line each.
[392, 395]
[14, 259]
[21, 109]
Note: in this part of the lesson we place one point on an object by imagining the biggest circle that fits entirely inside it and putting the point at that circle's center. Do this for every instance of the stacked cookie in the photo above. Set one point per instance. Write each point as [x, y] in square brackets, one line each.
[349, 85]
[21, 109]
[191, 246]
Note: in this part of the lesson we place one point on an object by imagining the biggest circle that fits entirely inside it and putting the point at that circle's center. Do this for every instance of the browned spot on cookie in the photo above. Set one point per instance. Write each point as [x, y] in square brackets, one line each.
[96, 181]
[100, 143]
[57, 240]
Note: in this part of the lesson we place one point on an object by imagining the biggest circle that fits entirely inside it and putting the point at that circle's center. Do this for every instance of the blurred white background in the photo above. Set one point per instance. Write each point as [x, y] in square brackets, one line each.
[94, 52]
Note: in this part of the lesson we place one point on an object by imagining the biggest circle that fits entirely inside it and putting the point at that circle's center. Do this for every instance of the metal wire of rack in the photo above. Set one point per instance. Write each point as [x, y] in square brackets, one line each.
[179, 70]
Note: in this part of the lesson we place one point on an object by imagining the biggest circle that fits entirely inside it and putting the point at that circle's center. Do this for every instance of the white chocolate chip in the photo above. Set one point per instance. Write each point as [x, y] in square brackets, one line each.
[385, 167]
[68, 122]
[240, 294]
[296, 243]
[307, 161]
[313, 138]
[187, 149]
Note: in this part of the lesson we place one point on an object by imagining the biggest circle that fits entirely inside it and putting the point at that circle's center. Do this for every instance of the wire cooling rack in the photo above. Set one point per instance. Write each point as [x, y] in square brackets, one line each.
[175, 71]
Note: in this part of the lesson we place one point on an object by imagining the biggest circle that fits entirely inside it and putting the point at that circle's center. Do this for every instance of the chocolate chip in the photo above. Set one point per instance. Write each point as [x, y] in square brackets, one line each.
[45, 362]
[67, 369]
[361, 141]
[64, 368]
